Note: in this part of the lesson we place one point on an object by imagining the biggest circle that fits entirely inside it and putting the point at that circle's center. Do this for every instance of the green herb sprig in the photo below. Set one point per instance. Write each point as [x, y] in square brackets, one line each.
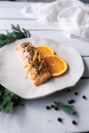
[69, 109]
[8, 100]
[15, 34]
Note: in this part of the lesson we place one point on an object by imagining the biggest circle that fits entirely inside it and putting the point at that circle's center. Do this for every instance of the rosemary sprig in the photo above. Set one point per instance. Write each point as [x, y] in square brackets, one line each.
[15, 34]
[69, 109]
[8, 100]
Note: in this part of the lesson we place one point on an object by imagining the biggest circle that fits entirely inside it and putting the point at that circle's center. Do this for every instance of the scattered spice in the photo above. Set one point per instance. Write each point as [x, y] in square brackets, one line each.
[74, 122]
[56, 108]
[69, 109]
[60, 119]
[84, 97]
[48, 107]
[76, 93]
[52, 106]
[72, 101]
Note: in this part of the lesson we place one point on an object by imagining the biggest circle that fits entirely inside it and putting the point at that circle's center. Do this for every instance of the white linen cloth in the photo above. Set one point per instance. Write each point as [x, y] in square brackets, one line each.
[71, 16]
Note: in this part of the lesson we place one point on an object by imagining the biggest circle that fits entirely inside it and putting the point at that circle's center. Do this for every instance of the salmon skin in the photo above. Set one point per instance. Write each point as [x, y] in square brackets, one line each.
[35, 65]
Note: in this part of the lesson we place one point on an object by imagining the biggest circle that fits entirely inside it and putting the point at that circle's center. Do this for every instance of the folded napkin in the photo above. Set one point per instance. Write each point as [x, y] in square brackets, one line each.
[70, 16]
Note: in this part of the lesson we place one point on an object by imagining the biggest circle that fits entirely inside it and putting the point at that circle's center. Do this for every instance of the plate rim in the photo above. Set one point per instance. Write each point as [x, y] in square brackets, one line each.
[55, 91]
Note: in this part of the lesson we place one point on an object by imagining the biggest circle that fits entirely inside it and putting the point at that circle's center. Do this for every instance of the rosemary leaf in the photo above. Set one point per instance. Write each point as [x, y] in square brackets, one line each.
[15, 34]
[8, 100]
[69, 109]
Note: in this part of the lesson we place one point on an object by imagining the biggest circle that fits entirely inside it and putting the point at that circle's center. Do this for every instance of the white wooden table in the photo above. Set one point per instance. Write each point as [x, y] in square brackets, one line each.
[33, 117]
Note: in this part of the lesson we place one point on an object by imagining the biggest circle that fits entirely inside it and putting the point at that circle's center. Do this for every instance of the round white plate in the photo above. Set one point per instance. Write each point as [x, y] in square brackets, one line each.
[12, 74]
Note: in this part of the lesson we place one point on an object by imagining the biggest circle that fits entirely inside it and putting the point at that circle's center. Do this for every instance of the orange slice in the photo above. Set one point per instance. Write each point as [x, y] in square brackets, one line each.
[56, 65]
[45, 50]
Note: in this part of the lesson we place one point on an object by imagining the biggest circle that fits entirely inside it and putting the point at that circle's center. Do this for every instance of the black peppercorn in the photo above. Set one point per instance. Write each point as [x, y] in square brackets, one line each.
[48, 107]
[84, 97]
[76, 93]
[74, 122]
[72, 101]
[52, 106]
[56, 108]
[60, 119]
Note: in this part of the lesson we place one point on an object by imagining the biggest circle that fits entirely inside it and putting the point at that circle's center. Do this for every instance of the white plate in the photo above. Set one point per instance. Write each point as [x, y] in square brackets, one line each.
[12, 74]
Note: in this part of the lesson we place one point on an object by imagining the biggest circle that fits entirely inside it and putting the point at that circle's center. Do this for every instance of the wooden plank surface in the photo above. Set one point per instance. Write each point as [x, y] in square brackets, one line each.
[86, 72]
[13, 4]
[27, 23]
[34, 117]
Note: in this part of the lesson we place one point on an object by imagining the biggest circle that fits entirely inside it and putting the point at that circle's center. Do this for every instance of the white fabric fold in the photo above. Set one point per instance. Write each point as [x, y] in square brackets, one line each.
[70, 16]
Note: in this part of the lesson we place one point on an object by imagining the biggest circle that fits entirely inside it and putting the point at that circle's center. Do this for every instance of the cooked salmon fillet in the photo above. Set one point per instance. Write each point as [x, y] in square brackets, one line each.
[35, 65]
